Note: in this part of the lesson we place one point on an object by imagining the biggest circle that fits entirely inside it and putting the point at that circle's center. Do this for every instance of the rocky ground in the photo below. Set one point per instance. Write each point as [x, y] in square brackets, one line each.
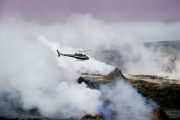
[165, 92]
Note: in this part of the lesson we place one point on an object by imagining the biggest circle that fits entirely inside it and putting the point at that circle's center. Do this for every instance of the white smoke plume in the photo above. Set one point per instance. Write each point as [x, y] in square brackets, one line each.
[123, 102]
[31, 76]
[86, 32]
[29, 69]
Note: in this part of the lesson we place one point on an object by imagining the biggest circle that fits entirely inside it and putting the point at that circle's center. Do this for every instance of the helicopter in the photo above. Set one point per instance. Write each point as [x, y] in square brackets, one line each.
[79, 55]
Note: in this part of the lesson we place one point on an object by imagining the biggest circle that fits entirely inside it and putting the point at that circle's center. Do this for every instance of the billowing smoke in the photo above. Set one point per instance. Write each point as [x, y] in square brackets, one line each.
[123, 102]
[31, 76]
[105, 39]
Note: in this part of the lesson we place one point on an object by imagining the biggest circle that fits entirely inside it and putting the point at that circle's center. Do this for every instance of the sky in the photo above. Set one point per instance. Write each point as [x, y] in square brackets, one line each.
[108, 10]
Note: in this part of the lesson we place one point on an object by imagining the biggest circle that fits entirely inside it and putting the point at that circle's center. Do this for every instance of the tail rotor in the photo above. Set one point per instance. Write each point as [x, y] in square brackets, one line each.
[58, 53]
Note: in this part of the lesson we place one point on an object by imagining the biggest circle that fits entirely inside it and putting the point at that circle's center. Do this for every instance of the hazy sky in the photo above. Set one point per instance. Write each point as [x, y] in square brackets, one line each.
[110, 10]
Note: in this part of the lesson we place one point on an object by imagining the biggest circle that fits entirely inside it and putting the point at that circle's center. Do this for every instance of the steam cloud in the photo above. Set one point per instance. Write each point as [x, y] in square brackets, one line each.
[124, 103]
[29, 70]
[31, 76]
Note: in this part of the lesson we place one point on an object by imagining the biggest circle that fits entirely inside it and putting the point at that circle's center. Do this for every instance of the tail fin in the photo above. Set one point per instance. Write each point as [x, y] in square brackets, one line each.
[58, 53]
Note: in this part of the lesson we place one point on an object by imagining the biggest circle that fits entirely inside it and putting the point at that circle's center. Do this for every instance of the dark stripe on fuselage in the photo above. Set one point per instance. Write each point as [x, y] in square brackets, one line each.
[77, 57]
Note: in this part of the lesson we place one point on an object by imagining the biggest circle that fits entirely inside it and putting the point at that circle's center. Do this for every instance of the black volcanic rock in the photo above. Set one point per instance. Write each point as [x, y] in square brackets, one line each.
[163, 91]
